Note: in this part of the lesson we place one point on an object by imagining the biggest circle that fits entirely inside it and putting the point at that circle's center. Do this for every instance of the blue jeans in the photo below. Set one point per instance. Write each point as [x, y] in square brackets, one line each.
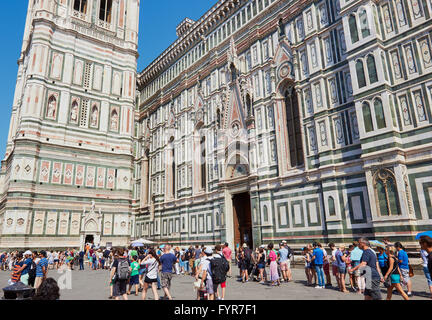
[186, 265]
[428, 276]
[320, 274]
[158, 282]
[81, 263]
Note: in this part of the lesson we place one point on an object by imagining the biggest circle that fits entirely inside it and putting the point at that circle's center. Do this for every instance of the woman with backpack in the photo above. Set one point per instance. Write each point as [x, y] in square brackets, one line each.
[393, 276]
[120, 274]
[152, 262]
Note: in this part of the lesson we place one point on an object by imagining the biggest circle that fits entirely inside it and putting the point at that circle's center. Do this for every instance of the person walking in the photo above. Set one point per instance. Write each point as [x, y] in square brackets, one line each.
[219, 269]
[393, 276]
[167, 260]
[41, 269]
[227, 252]
[243, 265]
[370, 259]
[120, 273]
[341, 258]
[272, 257]
[134, 277]
[206, 277]
[424, 257]
[152, 262]
[404, 266]
[426, 245]
[318, 258]
[81, 260]
[284, 260]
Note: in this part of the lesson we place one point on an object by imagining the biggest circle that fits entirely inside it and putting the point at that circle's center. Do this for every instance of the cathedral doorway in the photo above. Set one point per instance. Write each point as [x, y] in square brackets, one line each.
[89, 239]
[242, 219]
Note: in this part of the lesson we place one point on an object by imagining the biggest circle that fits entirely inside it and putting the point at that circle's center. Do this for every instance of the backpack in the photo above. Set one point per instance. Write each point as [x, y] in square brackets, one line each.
[32, 271]
[123, 271]
[219, 268]
[290, 252]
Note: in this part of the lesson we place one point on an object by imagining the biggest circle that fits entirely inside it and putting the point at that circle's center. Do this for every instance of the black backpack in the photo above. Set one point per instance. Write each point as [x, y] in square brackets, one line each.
[32, 271]
[123, 271]
[219, 268]
[290, 252]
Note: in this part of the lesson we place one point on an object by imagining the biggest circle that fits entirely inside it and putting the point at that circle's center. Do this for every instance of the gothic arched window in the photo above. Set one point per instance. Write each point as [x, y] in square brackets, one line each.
[386, 194]
[353, 29]
[361, 79]
[294, 128]
[373, 76]
[364, 24]
[379, 114]
[367, 117]
[265, 214]
[203, 164]
[105, 10]
[249, 105]
[331, 206]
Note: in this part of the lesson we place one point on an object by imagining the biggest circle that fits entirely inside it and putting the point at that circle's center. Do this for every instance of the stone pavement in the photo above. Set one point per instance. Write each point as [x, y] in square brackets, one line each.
[93, 285]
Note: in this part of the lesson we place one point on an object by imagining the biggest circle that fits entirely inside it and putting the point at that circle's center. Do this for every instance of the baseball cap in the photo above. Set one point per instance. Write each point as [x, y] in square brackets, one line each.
[28, 252]
[208, 251]
[244, 245]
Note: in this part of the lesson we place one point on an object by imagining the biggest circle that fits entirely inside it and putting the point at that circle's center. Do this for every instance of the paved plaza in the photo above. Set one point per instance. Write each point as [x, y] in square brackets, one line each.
[93, 285]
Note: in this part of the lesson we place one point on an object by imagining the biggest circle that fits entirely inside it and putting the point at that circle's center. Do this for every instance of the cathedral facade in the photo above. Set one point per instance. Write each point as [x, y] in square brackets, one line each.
[265, 120]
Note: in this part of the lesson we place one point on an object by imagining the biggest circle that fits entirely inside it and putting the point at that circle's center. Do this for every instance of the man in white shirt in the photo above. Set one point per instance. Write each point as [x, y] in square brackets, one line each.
[206, 279]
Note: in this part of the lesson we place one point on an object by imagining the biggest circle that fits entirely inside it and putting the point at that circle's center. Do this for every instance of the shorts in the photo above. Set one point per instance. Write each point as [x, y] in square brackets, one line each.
[405, 275]
[285, 265]
[261, 266]
[56, 260]
[166, 278]
[375, 291]
[134, 280]
[24, 278]
[395, 278]
[149, 281]
[427, 275]
[326, 268]
[342, 270]
[335, 270]
[209, 286]
[223, 284]
[119, 288]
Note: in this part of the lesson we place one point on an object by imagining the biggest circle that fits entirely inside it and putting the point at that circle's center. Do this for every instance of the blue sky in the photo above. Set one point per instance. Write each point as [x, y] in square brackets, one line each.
[158, 21]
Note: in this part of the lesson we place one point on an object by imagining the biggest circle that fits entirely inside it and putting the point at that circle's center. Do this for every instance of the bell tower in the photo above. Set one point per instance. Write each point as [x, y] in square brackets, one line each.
[71, 132]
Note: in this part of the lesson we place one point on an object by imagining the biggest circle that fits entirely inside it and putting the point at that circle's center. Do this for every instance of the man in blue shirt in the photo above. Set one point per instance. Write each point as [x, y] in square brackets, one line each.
[167, 260]
[404, 266]
[26, 267]
[369, 260]
[41, 269]
[318, 258]
[284, 262]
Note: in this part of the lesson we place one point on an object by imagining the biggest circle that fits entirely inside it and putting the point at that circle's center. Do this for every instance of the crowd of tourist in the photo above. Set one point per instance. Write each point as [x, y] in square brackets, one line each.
[360, 267]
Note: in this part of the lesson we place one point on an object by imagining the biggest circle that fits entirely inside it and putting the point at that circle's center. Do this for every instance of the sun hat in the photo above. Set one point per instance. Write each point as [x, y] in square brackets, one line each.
[28, 252]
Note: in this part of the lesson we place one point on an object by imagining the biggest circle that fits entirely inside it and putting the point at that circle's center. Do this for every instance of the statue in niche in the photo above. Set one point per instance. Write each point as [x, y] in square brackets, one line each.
[51, 113]
[74, 112]
[94, 117]
[114, 121]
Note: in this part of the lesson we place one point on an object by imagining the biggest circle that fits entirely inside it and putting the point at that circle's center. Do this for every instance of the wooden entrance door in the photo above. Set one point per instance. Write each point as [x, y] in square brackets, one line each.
[242, 219]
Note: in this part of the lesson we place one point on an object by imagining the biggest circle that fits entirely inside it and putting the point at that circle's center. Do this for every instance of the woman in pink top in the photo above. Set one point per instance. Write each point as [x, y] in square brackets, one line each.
[274, 275]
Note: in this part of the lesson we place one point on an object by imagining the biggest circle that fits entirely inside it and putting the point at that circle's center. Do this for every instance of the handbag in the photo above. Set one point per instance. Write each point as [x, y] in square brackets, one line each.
[411, 271]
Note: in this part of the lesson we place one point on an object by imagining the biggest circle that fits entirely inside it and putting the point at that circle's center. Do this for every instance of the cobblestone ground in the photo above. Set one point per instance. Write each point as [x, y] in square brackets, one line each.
[93, 285]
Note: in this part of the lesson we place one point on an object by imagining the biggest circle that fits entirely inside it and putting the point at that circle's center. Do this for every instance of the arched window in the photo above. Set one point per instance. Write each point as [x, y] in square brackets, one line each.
[361, 79]
[364, 24]
[265, 214]
[379, 114]
[353, 29]
[386, 194]
[105, 10]
[173, 168]
[373, 76]
[80, 5]
[331, 206]
[294, 128]
[203, 164]
[249, 105]
[367, 117]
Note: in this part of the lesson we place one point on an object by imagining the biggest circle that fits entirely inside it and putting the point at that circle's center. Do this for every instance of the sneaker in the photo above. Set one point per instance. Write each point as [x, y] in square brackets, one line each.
[409, 294]
[323, 287]
[317, 287]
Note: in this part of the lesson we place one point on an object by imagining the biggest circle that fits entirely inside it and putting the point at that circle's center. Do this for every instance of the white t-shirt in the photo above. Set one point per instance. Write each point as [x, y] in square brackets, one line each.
[334, 257]
[424, 256]
[152, 268]
[205, 264]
